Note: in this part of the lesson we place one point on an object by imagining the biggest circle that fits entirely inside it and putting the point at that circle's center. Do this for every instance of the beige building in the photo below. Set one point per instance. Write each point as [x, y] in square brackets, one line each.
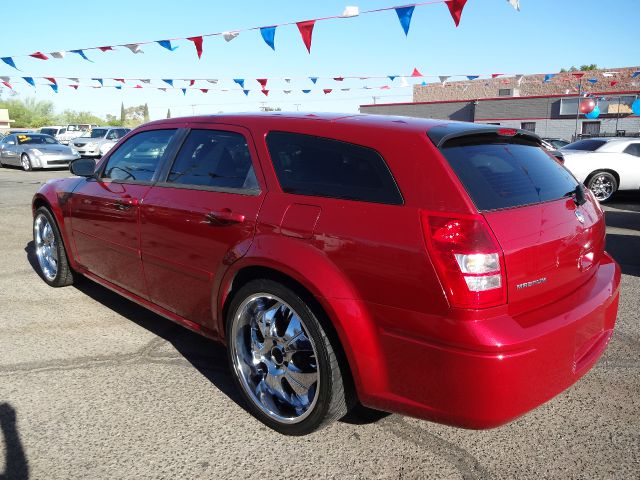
[5, 122]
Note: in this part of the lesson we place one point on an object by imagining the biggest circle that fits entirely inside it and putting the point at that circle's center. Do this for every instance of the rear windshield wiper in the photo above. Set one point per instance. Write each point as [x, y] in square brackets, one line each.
[577, 194]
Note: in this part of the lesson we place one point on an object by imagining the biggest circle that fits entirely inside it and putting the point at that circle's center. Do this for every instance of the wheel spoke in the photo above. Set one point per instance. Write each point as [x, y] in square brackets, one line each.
[300, 381]
[274, 383]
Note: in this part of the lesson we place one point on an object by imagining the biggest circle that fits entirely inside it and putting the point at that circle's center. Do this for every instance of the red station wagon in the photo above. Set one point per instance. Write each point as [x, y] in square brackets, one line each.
[449, 271]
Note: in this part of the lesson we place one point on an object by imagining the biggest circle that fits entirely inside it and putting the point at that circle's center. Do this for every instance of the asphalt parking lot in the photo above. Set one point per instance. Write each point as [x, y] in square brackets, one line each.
[94, 386]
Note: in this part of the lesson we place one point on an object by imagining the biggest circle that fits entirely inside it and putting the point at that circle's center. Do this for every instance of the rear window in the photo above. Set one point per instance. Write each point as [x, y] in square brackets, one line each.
[585, 145]
[504, 175]
[317, 166]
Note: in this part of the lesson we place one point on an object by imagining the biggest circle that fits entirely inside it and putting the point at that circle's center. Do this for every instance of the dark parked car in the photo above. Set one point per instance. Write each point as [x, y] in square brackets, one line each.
[450, 271]
[556, 143]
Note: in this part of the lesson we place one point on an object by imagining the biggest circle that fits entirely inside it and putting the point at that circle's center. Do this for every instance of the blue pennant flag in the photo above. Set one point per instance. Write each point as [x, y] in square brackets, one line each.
[473, 77]
[81, 53]
[118, 87]
[166, 44]
[404, 15]
[269, 34]
[424, 84]
[184, 91]
[239, 81]
[313, 79]
[30, 81]
[246, 92]
[392, 77]
[633, 75]
[9, 61]
[548, 77]
[592, 80]
[54, 87]
[306, 91]
[99, 80]
[168, 81]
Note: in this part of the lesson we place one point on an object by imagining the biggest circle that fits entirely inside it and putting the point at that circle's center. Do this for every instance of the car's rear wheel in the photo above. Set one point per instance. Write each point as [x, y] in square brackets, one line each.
[25, 161]
[603, 185]
[282, 359]
[49, 249]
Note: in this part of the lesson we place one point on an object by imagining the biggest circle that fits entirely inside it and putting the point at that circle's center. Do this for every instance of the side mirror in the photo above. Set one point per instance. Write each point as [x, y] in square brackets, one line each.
[83, 167]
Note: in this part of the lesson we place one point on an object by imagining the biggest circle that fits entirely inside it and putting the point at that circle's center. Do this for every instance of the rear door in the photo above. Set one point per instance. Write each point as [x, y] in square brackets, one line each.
[200, 218]
[551, 244]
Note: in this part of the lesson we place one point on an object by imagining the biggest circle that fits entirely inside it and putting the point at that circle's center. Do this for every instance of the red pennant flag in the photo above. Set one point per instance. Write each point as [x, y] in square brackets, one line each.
[204, 90]
[263, 82]
[614, 83]
[121, 80]
[578, 75]
[51, 79]
[496, 75]
[75, 87]
[39, 55]
[306, 32]
[105, 49]
[416, 73]
[138, 86]
[266, 92]
[327, 90]
[385, 87]
[338, 79]
[197, 42]
[455, 8]
[191, 83]
[8, 85]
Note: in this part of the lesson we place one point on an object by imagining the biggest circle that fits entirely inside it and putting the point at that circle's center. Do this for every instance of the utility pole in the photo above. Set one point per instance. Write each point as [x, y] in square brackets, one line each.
[374, 99]
[575, 137]
[193, 109]
[297, 106]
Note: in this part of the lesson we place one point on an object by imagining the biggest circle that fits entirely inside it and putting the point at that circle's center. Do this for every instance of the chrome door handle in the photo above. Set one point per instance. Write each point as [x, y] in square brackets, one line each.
[224, 217]
[126, 203]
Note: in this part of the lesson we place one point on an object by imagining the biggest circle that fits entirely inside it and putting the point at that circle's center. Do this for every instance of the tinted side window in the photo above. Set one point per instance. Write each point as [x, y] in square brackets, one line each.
[138, 158]
[214, 158]
[317, 166]
[633, 149]
[586, 145]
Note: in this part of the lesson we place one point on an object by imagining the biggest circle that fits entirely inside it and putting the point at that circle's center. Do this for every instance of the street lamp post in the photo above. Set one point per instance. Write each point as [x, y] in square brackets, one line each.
[575, 136]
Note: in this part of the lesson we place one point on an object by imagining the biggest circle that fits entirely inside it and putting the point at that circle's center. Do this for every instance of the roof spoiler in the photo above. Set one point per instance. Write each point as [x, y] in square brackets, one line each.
[444, 133]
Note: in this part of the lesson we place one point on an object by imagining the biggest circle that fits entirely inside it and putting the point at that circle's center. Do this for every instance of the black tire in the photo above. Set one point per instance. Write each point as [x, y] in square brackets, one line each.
[603, 185]
[63, 274]
[25, 162]
[332, 399]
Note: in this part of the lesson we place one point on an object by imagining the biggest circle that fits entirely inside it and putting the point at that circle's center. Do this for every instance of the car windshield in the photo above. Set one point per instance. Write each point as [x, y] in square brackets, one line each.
[36, 139]
[49, 131]
[96, 133]
[585, 145]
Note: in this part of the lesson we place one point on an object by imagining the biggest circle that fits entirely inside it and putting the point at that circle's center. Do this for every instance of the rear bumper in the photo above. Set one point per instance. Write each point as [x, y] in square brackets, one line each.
[484, 373]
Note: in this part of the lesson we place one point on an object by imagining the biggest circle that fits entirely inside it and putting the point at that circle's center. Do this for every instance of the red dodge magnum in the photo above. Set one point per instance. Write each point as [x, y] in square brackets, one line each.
[450, 271]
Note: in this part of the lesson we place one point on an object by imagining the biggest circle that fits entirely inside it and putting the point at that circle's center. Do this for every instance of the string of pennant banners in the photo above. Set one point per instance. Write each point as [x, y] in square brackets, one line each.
[305, 27]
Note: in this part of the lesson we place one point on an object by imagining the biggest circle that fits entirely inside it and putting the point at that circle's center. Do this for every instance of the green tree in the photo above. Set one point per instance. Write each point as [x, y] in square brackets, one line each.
[71, 116]
[145, 113]
[29, 112]
[123, 114]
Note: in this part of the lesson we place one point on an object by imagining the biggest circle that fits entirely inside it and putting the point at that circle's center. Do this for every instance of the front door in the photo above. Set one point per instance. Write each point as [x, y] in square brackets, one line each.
[105, 211]
[200, 219]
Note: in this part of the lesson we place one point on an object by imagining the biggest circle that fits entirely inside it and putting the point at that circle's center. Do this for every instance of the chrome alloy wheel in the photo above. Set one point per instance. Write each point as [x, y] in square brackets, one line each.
[274, 358]
[602, 186]
[46, 247]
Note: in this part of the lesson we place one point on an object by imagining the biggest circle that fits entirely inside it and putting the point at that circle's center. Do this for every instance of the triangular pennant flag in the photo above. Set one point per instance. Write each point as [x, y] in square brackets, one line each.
[191, 83]
[138, 86]
[416, 73]
[51, 79]
[633, 75]
[313, 79]
[515, 4]
[118, 87]
[327, 90]
[134, 47]
[246, 92]
[444, 78]
[121, 80]
[455, 8]
[58, 55]
[81, 53]
[287, 91]
[269, 36]
[75, 87]
[288, 80]
[473, 77]
[424, 84]
[592, 80]
[5, 79]
[197, 42]
[548, 77]
[39, 55]
[345, 89]
[168, 81]
[496, 75]
[262, 81]
[385, 87]
[212, 80]
[8, 85]
[306, 32]
[338, 79]
[228, 36]
[404, 15]
[166, 44]
[54, 88]
[363, 78]
[184, 91]
[239, 81]
[306, 91]
[266, 92]
[30, 81]
[204, 90]
[99, 80]
[105, 48]
[578, 74]
[614, 83]
[145, 80]
[350, 12]
[392, 77]
[9, 61]
[73, 79]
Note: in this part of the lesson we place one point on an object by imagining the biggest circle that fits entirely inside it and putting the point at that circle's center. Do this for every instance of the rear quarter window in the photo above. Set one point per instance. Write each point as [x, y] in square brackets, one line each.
[318, 166]
[504, 175]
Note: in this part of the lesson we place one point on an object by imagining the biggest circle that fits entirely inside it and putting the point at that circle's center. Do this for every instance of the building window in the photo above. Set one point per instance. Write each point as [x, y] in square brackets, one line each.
[591, 128]
[531, 126]
[504, 92]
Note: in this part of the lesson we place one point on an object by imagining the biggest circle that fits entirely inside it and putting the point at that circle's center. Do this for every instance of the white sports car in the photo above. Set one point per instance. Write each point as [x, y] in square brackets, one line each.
[605, 165]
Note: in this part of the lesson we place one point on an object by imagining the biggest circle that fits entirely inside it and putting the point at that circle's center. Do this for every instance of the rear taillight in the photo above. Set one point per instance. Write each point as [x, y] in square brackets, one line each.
[468, 259]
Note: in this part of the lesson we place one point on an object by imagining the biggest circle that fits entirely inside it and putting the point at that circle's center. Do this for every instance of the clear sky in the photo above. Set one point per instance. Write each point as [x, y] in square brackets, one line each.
[492, 38]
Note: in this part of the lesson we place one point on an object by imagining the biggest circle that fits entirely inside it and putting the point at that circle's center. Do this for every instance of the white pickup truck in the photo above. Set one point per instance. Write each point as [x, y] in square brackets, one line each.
[74, 130]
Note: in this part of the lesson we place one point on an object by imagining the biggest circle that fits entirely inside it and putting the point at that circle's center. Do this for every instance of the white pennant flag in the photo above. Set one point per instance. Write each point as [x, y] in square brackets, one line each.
[74, 80]
[5, 79]
[60, 54]
[443, 78]
[145, 80]
[134, 47]
[515, 4]
[351, 12]
[287, 91]
[288, 80]
[228, 36]
[212, 80]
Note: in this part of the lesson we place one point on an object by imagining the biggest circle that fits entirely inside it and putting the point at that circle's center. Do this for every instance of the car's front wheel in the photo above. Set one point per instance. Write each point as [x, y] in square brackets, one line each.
[25, 161]
[603, 185]
[283, 361]
[49, 249]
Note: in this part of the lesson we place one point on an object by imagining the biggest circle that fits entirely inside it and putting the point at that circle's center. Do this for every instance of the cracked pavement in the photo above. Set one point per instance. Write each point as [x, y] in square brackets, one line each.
[94, 386]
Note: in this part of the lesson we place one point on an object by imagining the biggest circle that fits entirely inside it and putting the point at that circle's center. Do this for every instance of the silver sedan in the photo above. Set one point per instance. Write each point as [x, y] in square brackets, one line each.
[34, 150]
